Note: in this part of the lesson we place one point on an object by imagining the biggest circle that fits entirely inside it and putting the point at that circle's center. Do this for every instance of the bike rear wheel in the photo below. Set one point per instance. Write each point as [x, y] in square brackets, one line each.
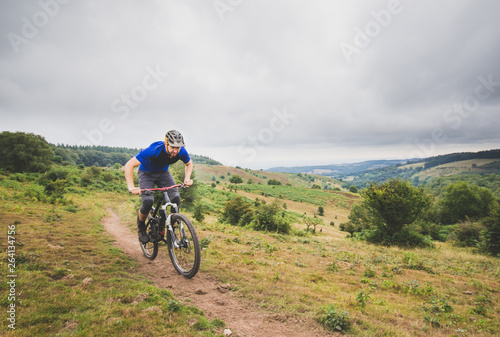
[184, 247]
[149, 249]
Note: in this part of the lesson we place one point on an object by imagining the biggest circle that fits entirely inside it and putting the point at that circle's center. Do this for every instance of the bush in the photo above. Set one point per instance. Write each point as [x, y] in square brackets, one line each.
[490, 241]
[236, 179]
[199, 212]
[467, 234]
[35, 191]
[271, 217]
[273, 182]
[237, 212]
[335, 320]
[406, 237]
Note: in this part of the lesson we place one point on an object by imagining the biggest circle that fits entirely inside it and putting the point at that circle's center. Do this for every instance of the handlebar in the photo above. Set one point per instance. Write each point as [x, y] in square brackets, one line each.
[162, 189]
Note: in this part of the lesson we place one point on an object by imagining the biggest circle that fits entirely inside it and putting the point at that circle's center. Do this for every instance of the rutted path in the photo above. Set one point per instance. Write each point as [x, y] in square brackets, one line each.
[241, 316]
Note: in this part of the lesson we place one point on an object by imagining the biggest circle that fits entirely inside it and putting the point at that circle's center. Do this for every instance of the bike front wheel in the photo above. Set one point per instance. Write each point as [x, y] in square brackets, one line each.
[184, 246]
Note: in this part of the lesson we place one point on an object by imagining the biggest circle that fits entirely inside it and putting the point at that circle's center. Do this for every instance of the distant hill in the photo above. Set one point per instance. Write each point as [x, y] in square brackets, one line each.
[479, 168]
[344, 170]
[336, 170]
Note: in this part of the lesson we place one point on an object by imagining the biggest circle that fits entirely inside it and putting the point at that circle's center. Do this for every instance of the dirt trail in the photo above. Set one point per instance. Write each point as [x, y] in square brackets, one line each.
[241, 316]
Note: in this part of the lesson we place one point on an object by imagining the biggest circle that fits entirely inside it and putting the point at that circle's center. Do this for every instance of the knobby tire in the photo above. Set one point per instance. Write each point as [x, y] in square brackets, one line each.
[187, 258]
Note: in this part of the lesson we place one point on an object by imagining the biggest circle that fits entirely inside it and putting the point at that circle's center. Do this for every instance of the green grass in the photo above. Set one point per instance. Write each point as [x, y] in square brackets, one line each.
[383, 291]
[72, 281]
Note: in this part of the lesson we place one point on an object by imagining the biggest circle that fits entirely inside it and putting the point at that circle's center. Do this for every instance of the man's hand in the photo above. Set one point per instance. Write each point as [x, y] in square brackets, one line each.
[135, 190]
[188, 182]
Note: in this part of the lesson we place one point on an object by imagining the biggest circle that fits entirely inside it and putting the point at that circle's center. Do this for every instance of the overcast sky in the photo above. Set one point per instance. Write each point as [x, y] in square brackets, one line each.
[256, 83]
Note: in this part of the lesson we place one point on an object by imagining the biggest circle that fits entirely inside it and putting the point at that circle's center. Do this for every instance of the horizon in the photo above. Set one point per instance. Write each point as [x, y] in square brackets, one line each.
[292, 165]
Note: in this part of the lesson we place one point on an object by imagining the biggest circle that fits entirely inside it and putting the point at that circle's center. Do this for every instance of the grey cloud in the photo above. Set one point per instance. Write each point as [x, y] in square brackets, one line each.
[227, 76]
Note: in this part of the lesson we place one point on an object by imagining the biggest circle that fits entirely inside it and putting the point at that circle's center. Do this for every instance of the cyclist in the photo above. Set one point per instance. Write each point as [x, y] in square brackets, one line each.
[153, 165]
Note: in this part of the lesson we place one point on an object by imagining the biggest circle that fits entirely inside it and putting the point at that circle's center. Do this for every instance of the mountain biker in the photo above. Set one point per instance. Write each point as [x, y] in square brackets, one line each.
[153, 163]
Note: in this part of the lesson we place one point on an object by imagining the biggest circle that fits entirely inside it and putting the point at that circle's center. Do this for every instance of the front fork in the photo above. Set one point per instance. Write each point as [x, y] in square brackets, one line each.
[170, 228]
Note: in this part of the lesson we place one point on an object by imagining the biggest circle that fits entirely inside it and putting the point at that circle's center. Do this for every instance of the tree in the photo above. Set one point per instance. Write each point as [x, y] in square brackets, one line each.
[392, 206]
[24, 152]
[312, 222]
[462, 202]
[353, 189]
[236, 179]
[321, 211]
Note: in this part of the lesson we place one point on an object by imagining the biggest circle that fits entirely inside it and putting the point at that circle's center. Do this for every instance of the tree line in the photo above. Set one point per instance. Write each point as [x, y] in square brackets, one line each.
[27, 152]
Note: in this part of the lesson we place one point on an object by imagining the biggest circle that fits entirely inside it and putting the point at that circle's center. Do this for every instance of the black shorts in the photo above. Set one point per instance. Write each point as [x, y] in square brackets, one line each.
[156, 179]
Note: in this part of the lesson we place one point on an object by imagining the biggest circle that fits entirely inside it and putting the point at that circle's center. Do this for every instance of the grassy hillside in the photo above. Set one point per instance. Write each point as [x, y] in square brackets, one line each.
[72, 281]
[385, 291]
[221, 174]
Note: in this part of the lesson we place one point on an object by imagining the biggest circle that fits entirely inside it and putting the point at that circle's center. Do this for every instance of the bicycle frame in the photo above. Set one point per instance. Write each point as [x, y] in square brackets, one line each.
[180, 237]
[161, 206]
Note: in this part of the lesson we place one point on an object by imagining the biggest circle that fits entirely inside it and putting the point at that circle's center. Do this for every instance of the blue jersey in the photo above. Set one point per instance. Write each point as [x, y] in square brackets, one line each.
[155, 158]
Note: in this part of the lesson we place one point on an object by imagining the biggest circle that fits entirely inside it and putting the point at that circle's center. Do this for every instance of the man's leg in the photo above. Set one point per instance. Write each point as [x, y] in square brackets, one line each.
[145, 181]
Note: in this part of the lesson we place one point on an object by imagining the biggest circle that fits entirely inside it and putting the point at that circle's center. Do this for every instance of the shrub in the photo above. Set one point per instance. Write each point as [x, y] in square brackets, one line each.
[321, 211]
[335, 320]
[35, 191]
[467, 234]
[199, 212]
[273, 182]
[270, 217]
[406, 237]
[490, 240]
[237, 212]
[236, 179]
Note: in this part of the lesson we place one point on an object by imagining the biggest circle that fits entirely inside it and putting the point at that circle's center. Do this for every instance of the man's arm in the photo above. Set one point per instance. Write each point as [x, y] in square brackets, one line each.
[187, 173]
[129, 175]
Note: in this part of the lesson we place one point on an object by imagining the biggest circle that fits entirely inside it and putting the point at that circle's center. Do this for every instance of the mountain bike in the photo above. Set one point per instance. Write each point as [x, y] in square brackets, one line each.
[181, 238]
